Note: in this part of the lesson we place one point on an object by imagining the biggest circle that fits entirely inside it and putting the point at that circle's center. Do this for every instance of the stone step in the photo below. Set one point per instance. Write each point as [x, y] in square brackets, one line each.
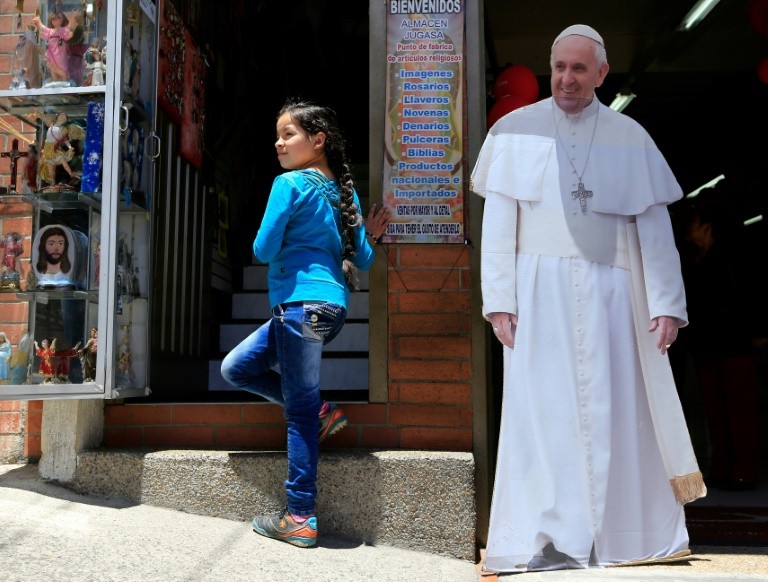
[416, 500]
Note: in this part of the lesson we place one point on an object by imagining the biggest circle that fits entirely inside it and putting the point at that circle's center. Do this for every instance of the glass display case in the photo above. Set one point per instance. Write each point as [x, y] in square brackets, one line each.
[77, 146]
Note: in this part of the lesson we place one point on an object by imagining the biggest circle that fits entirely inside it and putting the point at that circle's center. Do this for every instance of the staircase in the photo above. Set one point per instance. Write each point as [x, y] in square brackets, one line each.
[345, 359]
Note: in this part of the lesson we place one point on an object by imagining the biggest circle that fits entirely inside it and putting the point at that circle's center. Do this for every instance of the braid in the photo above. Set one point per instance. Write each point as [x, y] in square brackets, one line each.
[315, 119]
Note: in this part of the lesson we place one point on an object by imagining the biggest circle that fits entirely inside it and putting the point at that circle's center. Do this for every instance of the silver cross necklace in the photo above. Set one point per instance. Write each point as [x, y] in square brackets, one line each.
[581, 193]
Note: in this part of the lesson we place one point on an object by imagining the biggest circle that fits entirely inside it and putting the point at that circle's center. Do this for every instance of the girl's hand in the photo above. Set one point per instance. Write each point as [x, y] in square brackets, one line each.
[377, 221]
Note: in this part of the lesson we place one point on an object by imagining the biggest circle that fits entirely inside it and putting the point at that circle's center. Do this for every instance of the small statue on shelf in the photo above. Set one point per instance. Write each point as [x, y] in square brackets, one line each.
[94, 65]
[53, 253]
[29, 171]
[97, 70]
[88, 356]
[62, 362]
[5, 357]
[46, 352]
[57, 33]
[59, 151]
[18, 79]
[76, 47]
[124, 377]
[10, 278]
[90, 54]
[20, 360]
[26, 62]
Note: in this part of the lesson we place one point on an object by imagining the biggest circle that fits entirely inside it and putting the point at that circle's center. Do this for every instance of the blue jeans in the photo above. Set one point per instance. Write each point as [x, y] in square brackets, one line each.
[281, 362]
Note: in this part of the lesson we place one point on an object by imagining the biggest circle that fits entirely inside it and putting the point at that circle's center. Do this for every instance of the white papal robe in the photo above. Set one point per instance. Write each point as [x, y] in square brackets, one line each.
[580, 480]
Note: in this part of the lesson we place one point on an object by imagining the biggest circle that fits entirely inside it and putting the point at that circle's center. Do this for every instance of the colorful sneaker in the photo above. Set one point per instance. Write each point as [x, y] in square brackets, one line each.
[284, 528]
[331, 422]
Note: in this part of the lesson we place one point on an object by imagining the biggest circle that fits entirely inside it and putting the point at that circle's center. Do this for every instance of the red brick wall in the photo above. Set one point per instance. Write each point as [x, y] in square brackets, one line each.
[20, 423]
[429, 369]
[19, 420]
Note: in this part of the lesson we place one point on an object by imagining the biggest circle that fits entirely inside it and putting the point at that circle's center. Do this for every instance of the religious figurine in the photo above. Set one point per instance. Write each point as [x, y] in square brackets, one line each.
[124, 377]
[88, 356]
[19, 79]
[45, 351]
[20, 360]
[10, 276]
[95, 71]
[30, 170]
[58, 151]
[26, 62]
[95, 64]
[14, 155]
[62, 362]
[126, 65]
[5, 357]
[96, 264]
[57, 33]
[54, 257]
[76, 48]
[132, 154]
[134, 77]
[94, 48]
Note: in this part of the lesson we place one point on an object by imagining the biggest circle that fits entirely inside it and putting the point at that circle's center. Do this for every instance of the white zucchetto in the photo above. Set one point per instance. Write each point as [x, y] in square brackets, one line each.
[580, 30]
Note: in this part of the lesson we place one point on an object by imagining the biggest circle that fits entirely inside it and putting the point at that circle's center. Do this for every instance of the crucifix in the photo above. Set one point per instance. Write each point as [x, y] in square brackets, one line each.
[582, 194]
[14, 156]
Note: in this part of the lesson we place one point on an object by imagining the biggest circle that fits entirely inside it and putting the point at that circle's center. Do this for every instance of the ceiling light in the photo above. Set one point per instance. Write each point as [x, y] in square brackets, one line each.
[753, 220]
[707, 185]
[697, 14]
[621, 101]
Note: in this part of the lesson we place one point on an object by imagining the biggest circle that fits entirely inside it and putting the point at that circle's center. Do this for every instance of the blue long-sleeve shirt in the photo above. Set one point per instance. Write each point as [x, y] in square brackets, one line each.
[299, 238]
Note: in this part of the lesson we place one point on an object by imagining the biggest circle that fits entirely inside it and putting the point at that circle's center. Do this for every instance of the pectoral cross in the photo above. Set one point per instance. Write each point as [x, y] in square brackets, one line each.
[14, 156]
[582, 194]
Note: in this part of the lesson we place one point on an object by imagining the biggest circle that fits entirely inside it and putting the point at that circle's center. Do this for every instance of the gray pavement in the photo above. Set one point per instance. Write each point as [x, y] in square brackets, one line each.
[52, 534]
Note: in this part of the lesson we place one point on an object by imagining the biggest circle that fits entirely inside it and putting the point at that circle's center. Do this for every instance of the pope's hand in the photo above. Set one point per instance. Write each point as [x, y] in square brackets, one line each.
[504, 326]
[667, 327]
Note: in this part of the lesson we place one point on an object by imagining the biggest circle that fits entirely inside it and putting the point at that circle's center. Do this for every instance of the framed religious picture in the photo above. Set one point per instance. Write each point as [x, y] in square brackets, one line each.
[59, 256]
[222, 243]
[223, 209]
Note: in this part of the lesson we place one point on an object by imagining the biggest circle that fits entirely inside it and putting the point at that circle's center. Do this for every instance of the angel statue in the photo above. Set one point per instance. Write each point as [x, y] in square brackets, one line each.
[59, 152]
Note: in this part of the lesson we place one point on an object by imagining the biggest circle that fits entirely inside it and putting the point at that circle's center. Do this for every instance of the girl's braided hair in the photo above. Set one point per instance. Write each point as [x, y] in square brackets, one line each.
[314, 119]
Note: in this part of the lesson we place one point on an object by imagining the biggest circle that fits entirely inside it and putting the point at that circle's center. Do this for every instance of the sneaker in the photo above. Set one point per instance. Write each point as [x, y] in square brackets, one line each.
[331, 422]
[284, 528]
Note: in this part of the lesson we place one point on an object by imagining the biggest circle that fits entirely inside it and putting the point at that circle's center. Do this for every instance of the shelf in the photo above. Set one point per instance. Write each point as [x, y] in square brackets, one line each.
[74, 100]
[50, 201]
[45, 295]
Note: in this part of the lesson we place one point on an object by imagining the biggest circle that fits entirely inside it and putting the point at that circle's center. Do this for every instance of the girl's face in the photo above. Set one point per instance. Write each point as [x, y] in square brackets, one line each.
[296, 149]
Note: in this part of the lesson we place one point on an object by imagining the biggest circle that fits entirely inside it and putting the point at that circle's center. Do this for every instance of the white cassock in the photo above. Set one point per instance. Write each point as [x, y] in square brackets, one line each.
[589, 462]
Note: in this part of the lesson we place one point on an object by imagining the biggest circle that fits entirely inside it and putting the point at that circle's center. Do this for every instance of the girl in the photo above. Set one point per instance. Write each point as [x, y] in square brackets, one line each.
[313, 238]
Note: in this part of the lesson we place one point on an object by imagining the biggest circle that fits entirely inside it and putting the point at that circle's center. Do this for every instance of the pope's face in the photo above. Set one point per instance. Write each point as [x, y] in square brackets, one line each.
[575, 73]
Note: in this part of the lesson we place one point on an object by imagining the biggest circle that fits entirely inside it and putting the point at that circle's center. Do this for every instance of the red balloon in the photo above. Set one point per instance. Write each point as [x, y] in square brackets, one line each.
[516, 80]
[757, 12]
[762, 70]
[504, 106]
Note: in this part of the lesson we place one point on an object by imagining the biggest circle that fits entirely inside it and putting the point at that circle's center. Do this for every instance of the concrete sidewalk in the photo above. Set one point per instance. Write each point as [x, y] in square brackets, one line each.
[52, 534]
[49, 533]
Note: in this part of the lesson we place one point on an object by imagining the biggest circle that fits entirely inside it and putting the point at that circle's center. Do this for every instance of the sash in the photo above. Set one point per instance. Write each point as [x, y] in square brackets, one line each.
[666, 411]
